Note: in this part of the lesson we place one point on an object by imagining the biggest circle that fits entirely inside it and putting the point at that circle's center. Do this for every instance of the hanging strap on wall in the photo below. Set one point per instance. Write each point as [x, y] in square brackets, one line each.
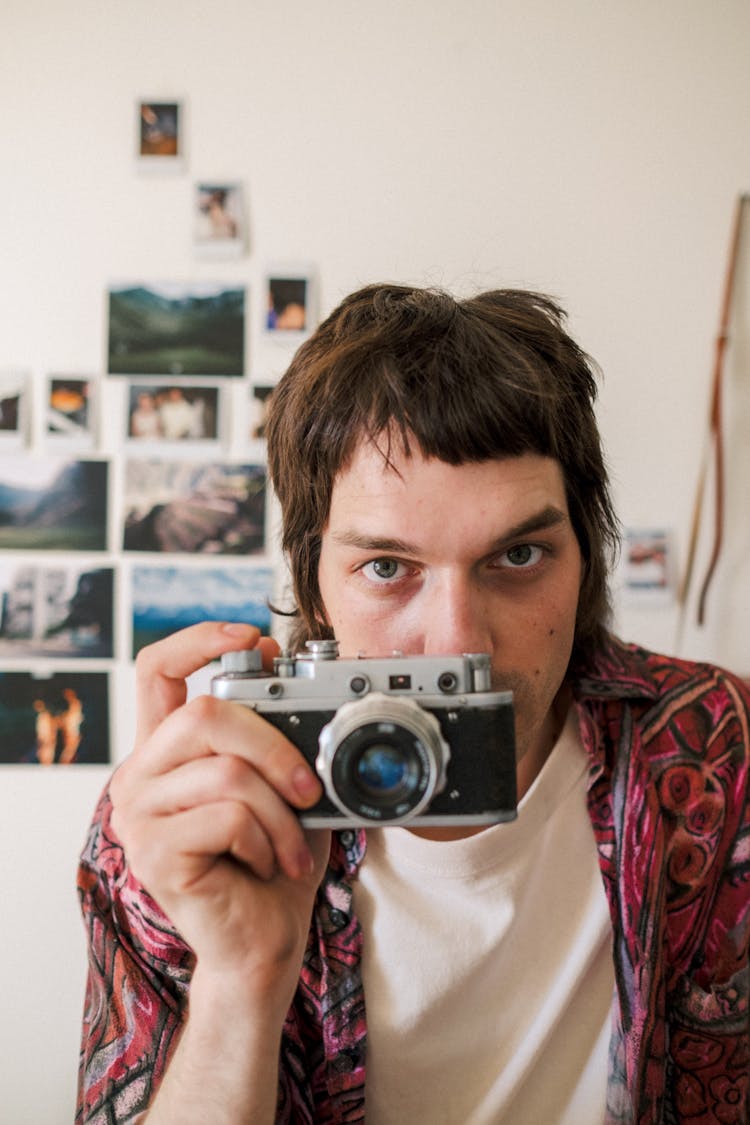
[715, 442]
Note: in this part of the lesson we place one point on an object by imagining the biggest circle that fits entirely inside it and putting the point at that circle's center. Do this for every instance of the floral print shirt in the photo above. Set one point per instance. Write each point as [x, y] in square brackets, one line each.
[669, 749]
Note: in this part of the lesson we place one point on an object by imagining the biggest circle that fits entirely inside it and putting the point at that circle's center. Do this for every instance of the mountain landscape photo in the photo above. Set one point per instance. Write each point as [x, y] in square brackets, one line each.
[176, 330]
[56, 505]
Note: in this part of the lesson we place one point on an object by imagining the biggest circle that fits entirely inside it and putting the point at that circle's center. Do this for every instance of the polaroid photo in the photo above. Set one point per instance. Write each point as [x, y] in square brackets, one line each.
[176, 329]
[190, 507]
[177, 417]
[69, 414]
[160, 128]
[53, 504]
[289, 303]
[167, 598]
[56, 611]
[60, 719]
[219, 229]
[647, 568]
[14, 409]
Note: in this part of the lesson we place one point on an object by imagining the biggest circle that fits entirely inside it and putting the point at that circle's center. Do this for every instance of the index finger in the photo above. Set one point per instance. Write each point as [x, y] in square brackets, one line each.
[163, 667]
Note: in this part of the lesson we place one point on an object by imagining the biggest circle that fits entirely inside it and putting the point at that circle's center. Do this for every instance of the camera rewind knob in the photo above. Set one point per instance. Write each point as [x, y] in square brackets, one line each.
[243, 663]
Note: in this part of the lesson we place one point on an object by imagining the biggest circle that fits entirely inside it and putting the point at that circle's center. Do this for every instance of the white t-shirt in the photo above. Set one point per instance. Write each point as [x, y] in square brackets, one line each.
[487, 965]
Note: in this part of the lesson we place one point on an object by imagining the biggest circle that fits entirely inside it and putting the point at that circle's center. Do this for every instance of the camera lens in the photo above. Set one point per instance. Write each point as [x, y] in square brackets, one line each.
[381, 770]
[382, 759]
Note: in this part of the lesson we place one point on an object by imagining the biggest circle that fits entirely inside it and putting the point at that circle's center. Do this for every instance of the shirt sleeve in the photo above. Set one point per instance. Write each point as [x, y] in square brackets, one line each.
[708, 800]
[138, 975]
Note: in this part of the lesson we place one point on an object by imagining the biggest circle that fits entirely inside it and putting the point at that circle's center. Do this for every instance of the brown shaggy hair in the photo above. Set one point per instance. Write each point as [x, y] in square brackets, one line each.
[492, 376]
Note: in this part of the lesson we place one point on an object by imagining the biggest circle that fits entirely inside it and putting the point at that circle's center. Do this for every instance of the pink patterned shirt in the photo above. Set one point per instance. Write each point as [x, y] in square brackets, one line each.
[669, 781]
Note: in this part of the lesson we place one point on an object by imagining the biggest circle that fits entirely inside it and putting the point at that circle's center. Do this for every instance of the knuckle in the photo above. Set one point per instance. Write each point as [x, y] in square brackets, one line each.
[236, 819]
[147, 660]
[231, 772]
[202, 709]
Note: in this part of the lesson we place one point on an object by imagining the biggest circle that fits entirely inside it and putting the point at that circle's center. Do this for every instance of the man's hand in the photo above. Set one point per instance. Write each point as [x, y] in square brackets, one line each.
[204, 807]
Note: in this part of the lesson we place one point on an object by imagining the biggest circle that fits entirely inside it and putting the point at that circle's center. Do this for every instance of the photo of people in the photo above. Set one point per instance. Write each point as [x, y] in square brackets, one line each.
[173, 412]
[169, 598]
[287, 304]
[55, 611]
[194, 507]
[53, 504]
[62, 719]
[176, 329]
[69, 413]
[159, 129]
[219, 223]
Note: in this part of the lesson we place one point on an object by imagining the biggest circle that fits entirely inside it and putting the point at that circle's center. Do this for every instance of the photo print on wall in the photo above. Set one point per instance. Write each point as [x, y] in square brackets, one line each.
[194, 507]
[160, 135]
[61, 719]
[173, 414]
[165, 599]
[258, 396]
[55, 611]
[647, 566]
[14, 396]
[219, 223]
[288, 302]
[69, 414]
[174, 329]
[53, 504]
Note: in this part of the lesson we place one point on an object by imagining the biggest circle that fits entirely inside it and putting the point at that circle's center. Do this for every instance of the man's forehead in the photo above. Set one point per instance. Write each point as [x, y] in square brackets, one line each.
[372, 498]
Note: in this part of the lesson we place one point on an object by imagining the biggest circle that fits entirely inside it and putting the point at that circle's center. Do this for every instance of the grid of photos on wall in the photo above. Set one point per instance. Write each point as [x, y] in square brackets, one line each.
[166, 523]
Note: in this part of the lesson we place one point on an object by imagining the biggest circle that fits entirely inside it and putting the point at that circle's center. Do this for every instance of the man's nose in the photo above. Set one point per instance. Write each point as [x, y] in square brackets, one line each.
[457, 618]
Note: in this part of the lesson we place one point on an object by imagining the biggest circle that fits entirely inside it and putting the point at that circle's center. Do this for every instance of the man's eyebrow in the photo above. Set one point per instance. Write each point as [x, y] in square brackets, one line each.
[546, 519]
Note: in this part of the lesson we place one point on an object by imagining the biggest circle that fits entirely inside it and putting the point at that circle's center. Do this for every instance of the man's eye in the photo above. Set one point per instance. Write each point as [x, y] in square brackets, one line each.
[383, 569]
[524, 555]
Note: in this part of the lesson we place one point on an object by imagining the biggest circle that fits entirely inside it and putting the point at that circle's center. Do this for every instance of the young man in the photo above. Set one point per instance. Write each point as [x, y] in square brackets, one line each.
[443, 491]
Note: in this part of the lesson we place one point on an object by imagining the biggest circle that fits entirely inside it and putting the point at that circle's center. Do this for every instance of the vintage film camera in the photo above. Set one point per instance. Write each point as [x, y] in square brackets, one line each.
[418, 740]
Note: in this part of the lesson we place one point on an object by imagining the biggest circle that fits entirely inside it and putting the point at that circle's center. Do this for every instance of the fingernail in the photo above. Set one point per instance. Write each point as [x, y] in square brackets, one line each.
[236, 630]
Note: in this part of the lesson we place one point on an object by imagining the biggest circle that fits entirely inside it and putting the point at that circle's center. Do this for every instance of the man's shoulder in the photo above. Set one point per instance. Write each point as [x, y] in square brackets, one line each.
[622, 670]
[638, 705]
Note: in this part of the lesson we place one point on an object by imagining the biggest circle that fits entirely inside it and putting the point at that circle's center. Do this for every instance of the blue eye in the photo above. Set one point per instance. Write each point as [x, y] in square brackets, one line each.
[522, 556]
[384, 569]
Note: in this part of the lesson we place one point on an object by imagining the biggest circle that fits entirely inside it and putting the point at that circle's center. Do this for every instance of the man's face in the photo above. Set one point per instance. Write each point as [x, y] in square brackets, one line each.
[431, 558]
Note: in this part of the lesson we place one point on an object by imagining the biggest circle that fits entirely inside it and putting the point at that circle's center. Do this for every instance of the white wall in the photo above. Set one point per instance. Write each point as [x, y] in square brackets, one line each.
[590, 148]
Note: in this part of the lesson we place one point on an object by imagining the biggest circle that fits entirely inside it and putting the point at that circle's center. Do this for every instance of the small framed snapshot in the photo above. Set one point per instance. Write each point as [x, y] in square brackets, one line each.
[160, 135]
[53, 504]
[190, 507]
[219, 229]
[648, 566]
[167, 598]
[289, 302]
[69, 411]
[14, 409]
[59, 719]
[180, 416]
[259, 395]
[175, 329]
[55, 611]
